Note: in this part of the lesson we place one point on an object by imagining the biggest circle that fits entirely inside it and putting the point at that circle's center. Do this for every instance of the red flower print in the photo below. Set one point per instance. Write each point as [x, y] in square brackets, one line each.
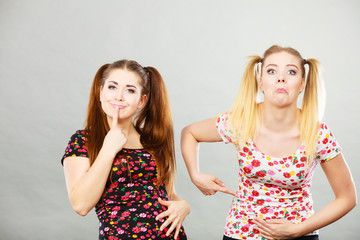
[255, 163]
[264, 210]
[136, 229]
[124, 198]
[303, 159]
[260, 202]
[125, 214]
[114, 184]
[261, 174]
[247, 170]
[287, 175]
[255, 193]
[245, 149]
[256, 231]
[244, 229]
[325, 141]
[271, 164]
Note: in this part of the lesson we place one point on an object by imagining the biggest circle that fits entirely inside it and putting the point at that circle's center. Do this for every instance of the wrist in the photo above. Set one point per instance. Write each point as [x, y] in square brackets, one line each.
[194, 175]
[298, 230]
[107, 153]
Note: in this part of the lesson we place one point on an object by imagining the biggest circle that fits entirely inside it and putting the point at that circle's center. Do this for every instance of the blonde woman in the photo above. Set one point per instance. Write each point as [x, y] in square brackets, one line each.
[278, 147]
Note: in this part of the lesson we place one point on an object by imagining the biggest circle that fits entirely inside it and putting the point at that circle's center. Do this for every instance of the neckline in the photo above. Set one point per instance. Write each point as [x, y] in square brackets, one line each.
[301, 147]
[134, 149]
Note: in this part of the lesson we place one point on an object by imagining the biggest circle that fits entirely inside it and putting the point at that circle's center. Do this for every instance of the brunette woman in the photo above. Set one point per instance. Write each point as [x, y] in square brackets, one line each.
[123, 162]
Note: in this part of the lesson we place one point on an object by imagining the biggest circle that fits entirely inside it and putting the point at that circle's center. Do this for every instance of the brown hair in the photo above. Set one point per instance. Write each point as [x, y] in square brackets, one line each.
[153, 122]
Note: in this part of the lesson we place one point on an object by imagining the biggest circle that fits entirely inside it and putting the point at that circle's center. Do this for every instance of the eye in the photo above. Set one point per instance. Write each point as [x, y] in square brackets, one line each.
[111, 87]
[130, 90]
[292, 72]
[271, 71]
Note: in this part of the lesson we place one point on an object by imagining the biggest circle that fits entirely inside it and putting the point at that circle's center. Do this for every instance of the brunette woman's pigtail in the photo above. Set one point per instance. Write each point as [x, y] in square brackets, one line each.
[96, 125]
[154, 122]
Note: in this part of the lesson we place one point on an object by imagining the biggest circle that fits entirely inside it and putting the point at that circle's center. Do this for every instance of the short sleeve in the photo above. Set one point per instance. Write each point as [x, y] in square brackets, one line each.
[327, 146]
[223, 128]
[76, 146]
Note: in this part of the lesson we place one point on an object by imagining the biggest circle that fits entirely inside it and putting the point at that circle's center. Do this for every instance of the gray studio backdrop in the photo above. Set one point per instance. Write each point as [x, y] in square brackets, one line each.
[50, 51]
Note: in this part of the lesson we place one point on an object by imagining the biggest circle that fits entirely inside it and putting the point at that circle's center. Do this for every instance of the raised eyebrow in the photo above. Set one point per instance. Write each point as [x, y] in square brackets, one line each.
[133, 86]
[113, 82]
[271, 64]
[292, 65]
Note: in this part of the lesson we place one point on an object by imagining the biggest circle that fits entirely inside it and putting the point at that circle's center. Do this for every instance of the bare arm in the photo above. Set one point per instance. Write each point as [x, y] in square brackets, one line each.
[86, 184]
[204, 131]
[342, 184]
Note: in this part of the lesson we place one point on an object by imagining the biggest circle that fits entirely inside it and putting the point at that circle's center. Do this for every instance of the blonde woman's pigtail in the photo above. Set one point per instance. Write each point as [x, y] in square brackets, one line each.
[312, 107]
[243, 114]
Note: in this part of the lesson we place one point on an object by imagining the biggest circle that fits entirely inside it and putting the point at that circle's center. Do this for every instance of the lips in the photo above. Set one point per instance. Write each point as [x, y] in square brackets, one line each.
[117, 106]
[281, 90]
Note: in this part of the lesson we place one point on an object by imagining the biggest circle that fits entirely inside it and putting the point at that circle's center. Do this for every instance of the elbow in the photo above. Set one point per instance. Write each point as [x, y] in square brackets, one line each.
[185, 131]
[354, 202]
[82, 212]
[81, 209]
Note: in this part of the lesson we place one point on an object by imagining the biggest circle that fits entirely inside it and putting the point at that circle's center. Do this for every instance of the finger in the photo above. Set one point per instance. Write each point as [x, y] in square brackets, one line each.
[227, 191]
[262, 226]
[164, 202]
[172, 227]
[162, 215]
[177, 231]
[217, 181]
[276, 221]
[115, 117]
[165, 224]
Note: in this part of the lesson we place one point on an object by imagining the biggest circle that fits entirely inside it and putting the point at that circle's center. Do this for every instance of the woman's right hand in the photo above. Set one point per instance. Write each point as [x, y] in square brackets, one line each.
[209, 184]
[115, 139]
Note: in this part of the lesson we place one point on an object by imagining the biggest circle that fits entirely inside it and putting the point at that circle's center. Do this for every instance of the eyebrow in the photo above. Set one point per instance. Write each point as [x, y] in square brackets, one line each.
[288, 65]
[127, 85]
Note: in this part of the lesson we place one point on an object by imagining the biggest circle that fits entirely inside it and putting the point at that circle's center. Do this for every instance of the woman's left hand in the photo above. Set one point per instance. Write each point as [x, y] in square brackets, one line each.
[176, 212]
[276, 229]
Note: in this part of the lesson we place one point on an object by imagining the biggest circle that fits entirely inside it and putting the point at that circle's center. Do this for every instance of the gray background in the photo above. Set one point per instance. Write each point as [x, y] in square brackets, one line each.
[50, 51]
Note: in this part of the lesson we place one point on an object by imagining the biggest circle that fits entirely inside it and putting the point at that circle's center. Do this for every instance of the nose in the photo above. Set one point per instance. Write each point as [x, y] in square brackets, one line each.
[119, 96]
[281, 78]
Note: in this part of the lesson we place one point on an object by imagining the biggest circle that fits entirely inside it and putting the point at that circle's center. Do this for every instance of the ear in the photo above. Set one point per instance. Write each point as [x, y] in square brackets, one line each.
[261, 84]
[302, 84]
[142, 101]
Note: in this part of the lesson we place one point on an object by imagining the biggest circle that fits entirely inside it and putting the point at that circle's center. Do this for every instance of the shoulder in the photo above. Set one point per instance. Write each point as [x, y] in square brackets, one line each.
[327, 146]
[324, 133]
[76, 146]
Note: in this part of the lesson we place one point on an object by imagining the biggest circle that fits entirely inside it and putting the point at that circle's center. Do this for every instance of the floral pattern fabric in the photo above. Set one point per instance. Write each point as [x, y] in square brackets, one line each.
[271, 187]
[129, 204]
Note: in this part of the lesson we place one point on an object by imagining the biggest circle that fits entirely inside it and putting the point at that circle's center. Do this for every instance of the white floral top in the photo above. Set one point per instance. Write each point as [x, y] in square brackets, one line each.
[271, 187]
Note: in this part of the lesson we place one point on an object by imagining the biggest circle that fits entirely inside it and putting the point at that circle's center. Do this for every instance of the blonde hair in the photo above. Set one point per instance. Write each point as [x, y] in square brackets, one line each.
[244, 113]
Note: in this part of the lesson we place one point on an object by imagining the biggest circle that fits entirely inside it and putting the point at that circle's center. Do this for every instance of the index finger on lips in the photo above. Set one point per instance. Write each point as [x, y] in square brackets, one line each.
[115, 117]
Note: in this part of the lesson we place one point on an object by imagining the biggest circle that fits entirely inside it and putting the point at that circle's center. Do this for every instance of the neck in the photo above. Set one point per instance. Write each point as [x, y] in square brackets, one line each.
[279, 119]
[125, 124]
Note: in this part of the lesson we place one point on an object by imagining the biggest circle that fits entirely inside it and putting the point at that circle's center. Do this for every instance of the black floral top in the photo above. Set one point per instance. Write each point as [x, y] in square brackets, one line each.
[129, 205]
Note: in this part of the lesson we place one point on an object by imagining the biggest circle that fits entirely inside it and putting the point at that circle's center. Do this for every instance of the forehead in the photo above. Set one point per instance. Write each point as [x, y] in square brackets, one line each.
[282, 58]
[123, 76]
